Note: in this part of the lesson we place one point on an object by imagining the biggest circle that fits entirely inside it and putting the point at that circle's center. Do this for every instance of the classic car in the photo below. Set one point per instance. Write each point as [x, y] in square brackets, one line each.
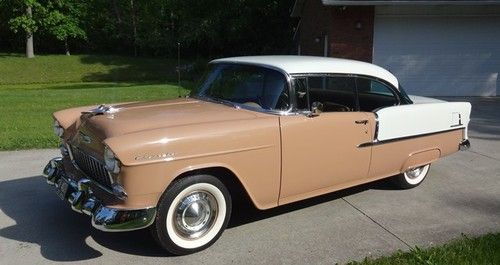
[275, 129]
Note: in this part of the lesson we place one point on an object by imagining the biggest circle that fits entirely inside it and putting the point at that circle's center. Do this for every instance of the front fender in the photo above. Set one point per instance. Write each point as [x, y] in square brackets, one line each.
[250, 149]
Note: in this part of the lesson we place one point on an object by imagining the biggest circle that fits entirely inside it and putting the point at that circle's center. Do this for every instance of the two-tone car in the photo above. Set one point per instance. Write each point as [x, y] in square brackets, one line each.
[279, 129]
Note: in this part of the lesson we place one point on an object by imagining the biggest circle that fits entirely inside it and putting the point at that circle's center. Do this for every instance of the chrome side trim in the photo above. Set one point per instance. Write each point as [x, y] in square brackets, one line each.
[375, 142]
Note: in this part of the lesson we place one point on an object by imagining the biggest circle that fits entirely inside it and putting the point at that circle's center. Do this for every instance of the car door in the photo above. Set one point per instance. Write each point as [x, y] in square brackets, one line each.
[320, 153]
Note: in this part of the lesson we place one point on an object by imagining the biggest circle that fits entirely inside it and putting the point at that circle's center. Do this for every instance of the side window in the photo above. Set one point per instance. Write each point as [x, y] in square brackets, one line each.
[373, 94]
[335, 93]
[301, 96]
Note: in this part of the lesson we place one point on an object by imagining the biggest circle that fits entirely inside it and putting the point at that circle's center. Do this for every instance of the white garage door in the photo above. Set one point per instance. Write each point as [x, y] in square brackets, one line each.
[440, 51]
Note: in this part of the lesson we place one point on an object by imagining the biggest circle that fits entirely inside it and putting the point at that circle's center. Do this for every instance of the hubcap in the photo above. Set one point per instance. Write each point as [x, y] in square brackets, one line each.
[414, 173]
[195, 214]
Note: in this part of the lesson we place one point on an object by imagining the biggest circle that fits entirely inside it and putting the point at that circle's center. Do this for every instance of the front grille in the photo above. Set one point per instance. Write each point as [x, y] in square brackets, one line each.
[93, 168]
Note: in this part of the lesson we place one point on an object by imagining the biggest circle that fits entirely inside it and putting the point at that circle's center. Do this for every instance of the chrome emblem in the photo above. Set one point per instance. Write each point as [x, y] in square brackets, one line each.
[85, 138]
[162, 156]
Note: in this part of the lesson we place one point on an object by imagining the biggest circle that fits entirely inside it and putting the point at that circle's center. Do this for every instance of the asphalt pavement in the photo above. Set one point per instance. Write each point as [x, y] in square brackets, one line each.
[461, 195]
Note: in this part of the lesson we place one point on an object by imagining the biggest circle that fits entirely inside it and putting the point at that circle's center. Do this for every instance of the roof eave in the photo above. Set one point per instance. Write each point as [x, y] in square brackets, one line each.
[407, 2]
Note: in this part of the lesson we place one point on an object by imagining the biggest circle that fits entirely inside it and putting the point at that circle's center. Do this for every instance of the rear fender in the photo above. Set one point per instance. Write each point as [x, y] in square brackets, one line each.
[420, 119]
[421, 158]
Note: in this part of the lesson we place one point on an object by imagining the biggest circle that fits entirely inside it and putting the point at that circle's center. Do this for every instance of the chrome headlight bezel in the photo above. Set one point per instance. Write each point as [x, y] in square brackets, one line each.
[111, 163]
[58, 129]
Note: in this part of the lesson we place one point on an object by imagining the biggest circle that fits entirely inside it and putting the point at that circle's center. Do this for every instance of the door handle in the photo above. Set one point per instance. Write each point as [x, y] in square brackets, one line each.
[361, 121]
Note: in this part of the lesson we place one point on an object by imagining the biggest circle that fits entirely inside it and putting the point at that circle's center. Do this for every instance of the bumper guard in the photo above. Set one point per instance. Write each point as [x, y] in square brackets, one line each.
[79, 195]
[464, 145]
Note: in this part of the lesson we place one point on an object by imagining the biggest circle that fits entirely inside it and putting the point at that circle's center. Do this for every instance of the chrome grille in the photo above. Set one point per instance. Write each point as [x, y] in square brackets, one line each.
[93, 168]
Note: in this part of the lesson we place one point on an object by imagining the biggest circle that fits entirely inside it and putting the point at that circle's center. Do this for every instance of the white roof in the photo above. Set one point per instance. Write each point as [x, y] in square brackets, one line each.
[292, 64]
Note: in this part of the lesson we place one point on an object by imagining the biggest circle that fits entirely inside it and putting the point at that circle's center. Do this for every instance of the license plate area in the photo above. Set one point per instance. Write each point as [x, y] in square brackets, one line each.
[62, 188]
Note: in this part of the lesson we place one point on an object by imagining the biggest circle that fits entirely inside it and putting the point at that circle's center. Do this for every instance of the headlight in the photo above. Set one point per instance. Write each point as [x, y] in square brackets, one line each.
[110, 162]
[58, 130]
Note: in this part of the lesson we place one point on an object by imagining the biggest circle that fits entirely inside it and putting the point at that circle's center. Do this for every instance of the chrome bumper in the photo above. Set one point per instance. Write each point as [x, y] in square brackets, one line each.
[464, 145]
[81, 198]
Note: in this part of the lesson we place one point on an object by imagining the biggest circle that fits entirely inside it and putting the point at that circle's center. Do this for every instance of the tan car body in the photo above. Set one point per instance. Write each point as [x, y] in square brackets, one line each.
[278, 159]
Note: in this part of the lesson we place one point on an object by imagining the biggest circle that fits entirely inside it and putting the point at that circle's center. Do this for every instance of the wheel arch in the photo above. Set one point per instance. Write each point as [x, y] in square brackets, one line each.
[231, 181]
[421, 158]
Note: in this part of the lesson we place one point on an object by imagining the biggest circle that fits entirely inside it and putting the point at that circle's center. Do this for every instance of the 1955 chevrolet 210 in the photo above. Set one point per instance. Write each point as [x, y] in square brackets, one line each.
[279, 128]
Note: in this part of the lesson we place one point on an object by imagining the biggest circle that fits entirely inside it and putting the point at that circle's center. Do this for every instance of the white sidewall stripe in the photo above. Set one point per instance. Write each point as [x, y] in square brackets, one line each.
[219, 220]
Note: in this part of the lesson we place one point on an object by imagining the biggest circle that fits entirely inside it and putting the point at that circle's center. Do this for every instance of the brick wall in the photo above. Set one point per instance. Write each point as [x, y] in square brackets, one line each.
[349, 30]
[314, 25]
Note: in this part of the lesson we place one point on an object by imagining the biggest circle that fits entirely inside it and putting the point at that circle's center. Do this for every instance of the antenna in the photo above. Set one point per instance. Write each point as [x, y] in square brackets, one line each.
[179, 69]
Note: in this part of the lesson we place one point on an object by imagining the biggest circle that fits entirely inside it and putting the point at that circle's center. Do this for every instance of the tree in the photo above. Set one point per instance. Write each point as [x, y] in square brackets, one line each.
[25, 22]
[205, 28]
[62, 20]
[58, 18]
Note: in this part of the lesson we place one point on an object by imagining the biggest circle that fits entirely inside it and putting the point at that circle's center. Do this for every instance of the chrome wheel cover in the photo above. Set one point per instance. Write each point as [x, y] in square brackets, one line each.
[414, 173]
[195, 215]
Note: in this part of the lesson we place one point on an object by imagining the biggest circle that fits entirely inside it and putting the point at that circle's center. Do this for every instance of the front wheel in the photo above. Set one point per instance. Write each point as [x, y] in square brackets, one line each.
[192, 214]
[411, 178]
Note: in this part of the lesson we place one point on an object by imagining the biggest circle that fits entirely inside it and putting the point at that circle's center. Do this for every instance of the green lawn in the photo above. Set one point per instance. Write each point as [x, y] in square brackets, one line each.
[31, 89]
[26, 120]
[481, 250]
[16, 69]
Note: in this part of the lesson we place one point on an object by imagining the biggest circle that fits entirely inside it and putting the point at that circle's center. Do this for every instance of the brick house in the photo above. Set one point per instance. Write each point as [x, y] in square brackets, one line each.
[435, 48]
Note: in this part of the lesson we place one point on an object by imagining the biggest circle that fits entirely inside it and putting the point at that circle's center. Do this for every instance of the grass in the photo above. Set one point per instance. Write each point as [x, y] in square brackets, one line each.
[16, 69]
[31, 89]
[481, 250]
[26, 120]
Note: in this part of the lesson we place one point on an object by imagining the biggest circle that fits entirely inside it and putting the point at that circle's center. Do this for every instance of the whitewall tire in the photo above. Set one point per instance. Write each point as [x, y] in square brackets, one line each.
[412, 177]
[192, 214]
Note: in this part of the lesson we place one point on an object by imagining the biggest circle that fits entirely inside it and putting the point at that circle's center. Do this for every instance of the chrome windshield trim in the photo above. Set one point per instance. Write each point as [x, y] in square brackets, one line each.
[243, 106]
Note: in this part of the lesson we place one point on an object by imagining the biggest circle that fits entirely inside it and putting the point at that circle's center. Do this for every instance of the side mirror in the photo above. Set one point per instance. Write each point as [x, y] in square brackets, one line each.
[316, 109]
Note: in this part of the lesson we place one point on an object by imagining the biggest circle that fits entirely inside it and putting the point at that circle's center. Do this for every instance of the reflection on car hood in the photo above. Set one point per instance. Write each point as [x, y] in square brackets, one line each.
[135, 117]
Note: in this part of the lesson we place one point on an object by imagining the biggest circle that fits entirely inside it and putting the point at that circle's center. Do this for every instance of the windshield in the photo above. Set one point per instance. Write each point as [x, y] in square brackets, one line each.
[246, 85]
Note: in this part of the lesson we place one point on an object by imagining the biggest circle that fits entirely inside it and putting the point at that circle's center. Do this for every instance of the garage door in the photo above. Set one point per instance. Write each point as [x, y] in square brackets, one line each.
[440, 51]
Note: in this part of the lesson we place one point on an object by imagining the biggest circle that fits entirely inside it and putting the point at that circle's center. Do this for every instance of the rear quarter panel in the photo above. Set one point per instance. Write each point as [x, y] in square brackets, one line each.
[409, 136]
[417, 119]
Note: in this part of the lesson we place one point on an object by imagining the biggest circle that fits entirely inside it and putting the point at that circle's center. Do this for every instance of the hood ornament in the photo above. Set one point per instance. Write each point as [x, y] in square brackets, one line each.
[101, 109]
[85, 138]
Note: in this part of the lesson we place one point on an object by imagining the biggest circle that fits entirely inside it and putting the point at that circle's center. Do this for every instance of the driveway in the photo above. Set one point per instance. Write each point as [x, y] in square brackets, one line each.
[461, 195]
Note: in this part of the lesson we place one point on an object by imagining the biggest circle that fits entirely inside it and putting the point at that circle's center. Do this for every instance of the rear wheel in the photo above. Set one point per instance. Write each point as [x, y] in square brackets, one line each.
[192, 214]
[411, 178]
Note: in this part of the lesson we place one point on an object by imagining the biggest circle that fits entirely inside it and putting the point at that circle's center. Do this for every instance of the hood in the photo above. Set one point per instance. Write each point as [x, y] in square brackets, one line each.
[422, 100]
[128, 118]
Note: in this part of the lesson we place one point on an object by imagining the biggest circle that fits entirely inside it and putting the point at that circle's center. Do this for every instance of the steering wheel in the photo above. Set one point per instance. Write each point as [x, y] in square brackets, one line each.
[330, 106]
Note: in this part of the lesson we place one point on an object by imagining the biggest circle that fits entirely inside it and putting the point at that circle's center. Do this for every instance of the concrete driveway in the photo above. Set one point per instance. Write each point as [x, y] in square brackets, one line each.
[461, 195]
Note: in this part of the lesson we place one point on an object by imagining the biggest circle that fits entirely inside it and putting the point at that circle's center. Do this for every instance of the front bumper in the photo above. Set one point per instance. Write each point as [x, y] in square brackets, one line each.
[81, 198]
